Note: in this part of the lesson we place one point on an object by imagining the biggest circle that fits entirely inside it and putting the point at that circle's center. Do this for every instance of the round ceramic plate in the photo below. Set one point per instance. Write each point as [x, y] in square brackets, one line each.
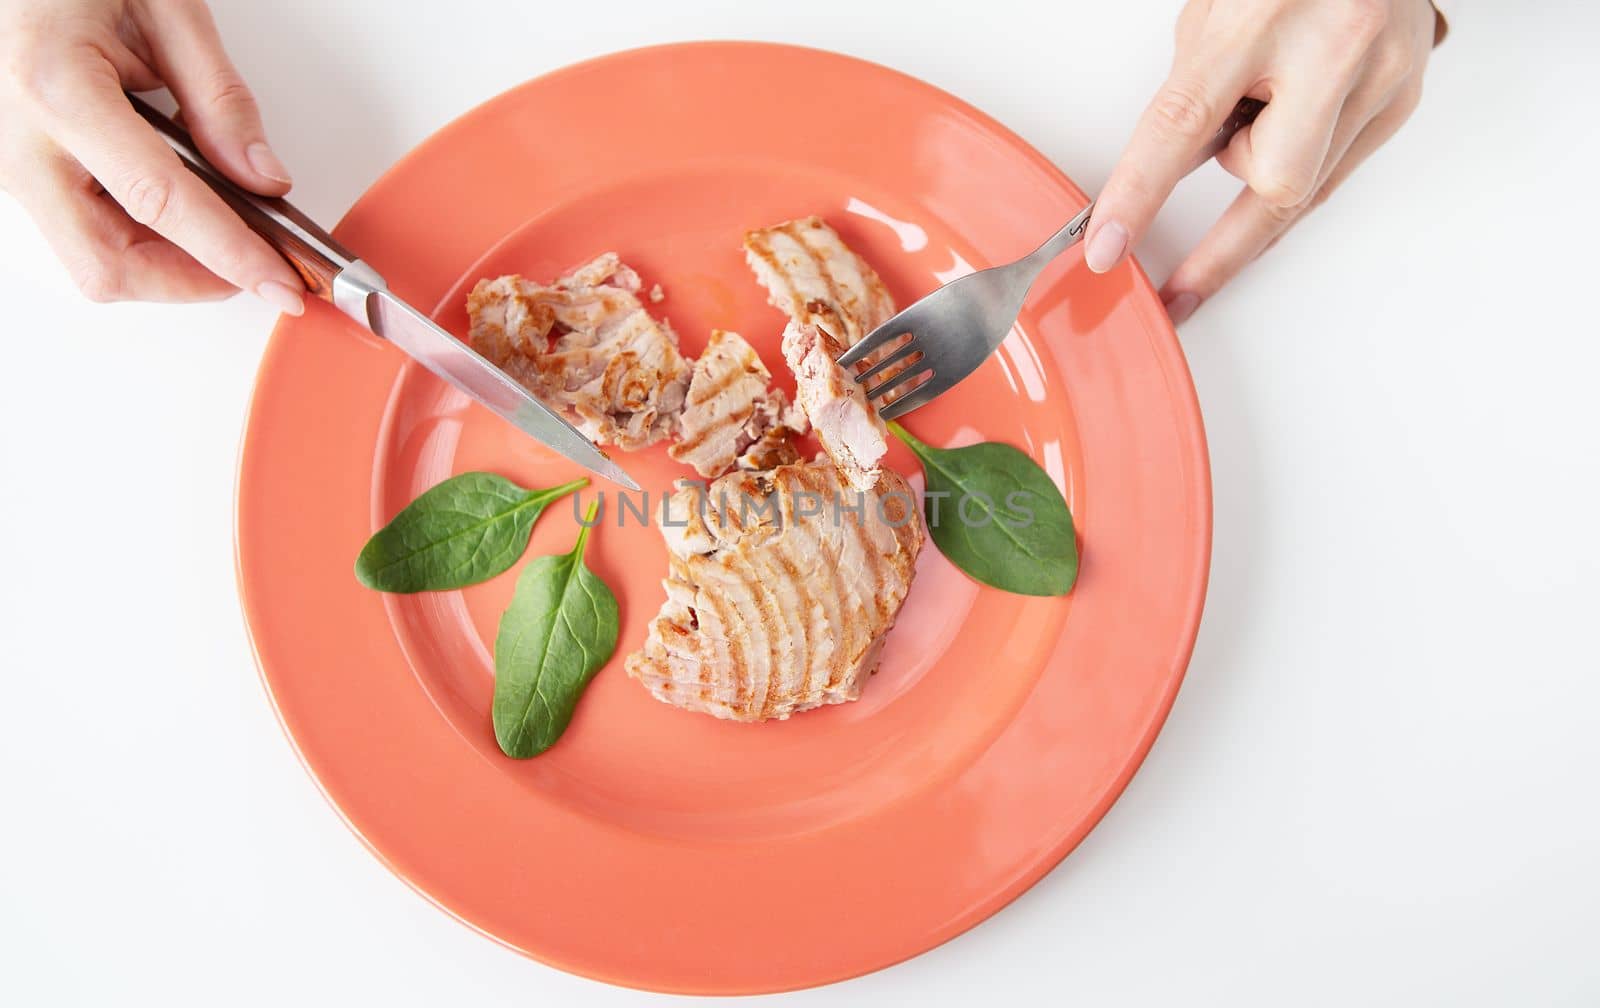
[663, 849]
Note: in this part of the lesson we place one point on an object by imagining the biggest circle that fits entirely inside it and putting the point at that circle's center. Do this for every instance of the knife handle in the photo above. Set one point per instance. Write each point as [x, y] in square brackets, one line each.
[315, 254]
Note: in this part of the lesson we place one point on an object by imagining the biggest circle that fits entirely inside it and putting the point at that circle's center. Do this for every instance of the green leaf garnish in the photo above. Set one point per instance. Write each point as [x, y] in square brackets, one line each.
[994, 513]
[465, 530]
[561, 627]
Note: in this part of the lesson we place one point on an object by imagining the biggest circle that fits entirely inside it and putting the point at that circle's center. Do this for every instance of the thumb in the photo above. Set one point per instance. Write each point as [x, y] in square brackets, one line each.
[217, 107]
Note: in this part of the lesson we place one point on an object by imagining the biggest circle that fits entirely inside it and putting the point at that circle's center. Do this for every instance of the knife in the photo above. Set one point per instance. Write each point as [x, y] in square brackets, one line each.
[334, 274]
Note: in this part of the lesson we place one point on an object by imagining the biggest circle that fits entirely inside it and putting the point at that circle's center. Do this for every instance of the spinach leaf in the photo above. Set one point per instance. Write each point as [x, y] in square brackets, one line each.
[996, 514]
[465, 530]
[560, 628]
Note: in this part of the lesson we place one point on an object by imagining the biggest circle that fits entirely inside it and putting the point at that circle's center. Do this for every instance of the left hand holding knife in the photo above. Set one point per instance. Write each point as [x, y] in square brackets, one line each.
[115, 203]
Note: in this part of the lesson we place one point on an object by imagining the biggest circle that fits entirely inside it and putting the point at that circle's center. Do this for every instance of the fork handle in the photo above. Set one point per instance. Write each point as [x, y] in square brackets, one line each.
[1243, 114]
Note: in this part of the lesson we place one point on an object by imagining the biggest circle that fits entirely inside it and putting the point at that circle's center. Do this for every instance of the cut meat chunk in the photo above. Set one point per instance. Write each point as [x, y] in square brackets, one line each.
[730, 409]
[848, 426]
[586, 346]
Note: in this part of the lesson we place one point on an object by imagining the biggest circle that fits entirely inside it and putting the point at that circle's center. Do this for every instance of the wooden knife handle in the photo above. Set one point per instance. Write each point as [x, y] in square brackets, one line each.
[313, 252]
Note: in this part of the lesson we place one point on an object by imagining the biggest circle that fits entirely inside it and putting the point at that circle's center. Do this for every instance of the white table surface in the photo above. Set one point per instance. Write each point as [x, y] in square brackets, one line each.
[1378, 785]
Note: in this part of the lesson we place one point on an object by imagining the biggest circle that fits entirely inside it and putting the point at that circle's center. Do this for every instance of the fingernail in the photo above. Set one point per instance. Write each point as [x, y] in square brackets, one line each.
[1181, 305]
[281, 297]
[266, 163]
[1106, 247]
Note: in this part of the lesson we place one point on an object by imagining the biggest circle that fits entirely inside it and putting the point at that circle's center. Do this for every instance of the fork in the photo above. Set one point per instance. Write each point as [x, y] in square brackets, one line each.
[958, 326]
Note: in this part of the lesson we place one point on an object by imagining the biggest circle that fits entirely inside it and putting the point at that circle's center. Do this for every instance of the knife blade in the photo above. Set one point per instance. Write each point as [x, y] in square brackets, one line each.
[461, 366]
[335, 274]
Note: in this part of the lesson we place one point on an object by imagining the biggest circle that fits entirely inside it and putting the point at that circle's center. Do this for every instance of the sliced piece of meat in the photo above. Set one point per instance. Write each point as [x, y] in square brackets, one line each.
[586, 346]
[780, 590]
[833, 298]
[730, 408]
[848, 426]
[812, 276]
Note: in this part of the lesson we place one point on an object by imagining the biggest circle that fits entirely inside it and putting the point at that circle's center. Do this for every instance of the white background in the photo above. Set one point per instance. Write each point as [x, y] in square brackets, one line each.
[1377, 786]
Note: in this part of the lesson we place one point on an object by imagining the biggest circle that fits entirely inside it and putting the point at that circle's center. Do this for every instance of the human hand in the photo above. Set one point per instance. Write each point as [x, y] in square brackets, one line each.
[1339, 78]
[117, 206]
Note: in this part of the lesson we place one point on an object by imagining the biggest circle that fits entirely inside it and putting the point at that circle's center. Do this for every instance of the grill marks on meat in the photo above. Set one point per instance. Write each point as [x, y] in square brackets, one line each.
[779, 591]
[812, 276]
[585, 345]
[784, 577]
[730, 416]
[783, 585]
[833, 298]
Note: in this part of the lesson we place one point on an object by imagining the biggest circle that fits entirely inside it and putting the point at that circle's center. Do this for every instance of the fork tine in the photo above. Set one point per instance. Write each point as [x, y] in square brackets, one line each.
[919, 396]
[873, 340]
[902, 354]
[896, 379]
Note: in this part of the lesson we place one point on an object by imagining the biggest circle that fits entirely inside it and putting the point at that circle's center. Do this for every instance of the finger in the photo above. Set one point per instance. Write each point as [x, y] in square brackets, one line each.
[1251, 226]
[1374, 135]
[218, 109]
[1184, 115]
[133, 68]
[90, 118]
[1235, 158]
[1370, 96]
[1352, 121]
[1384, 94]
[107, 255]
[1243, 231]
[1288, 144]
[1238, 159]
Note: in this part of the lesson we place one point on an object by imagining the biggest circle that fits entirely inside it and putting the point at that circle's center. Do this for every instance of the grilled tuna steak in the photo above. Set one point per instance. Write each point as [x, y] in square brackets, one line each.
[779, 591]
